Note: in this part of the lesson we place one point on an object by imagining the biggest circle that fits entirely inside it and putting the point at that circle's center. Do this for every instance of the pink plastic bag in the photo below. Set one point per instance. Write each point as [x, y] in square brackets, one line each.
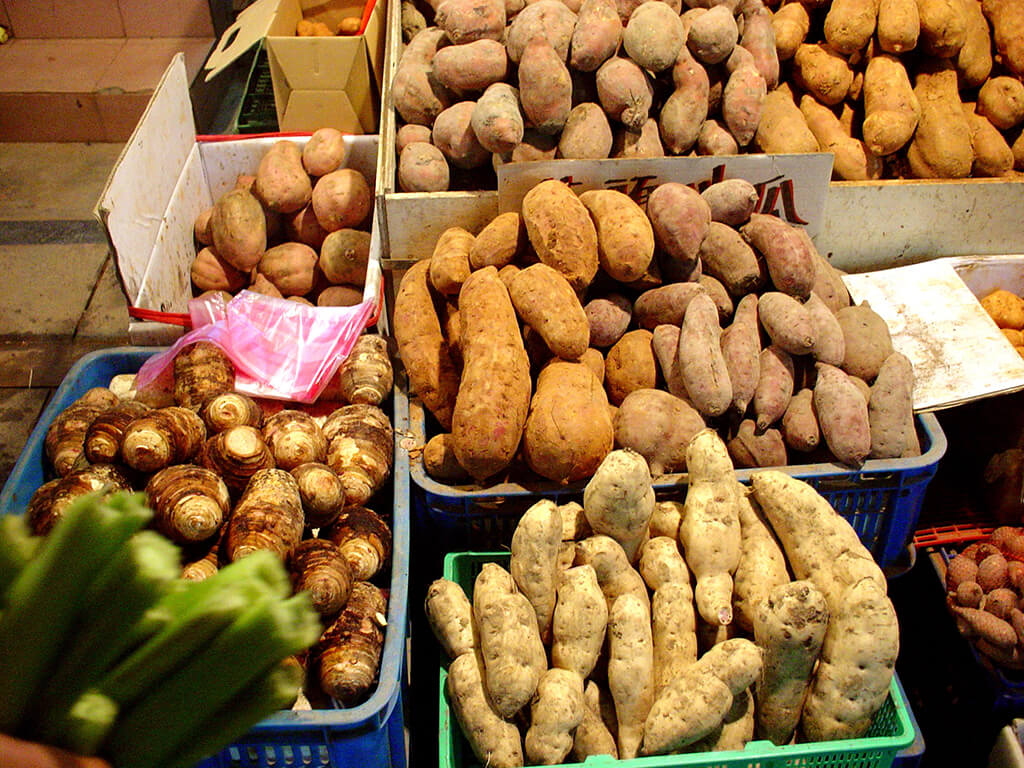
[281, 349]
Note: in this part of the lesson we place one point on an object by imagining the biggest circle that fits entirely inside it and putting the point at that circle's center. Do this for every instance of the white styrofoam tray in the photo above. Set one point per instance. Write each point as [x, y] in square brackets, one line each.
[164, 178]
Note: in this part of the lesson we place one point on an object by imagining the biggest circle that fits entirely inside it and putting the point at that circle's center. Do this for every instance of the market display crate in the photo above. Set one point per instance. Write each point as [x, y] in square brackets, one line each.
[1005, 686]
[867, 224]
[882, 499]
[892, 731]
[165, 177]
[370, 734]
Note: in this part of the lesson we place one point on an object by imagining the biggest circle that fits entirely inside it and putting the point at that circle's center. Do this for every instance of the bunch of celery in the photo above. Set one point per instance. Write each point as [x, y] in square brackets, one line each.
[105, 650]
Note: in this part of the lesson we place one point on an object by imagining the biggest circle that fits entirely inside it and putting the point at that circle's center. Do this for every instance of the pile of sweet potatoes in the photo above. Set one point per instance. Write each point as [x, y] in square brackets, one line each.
[628, 627]
[984, 589]
[584, 323]
[902, 88]
[298, 228]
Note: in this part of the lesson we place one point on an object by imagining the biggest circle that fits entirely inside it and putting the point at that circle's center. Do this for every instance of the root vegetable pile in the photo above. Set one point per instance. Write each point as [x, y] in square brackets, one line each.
[597, 324]
[231, 479]
[298, 228]
[896, 89]
[984, 585]
[655, 630]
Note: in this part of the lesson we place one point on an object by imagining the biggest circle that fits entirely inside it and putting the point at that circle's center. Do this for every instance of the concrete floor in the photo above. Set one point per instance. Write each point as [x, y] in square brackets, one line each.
[62, 297]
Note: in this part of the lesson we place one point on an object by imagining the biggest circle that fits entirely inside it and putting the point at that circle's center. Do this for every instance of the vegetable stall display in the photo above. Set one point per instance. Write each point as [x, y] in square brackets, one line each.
[586, 323]
[639, 601]
[230, 478]
[900, 89]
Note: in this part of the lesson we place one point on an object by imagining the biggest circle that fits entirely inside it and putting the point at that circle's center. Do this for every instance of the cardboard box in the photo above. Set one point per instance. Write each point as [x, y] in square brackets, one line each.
[866, 226]
[319, 82]
[164, 178]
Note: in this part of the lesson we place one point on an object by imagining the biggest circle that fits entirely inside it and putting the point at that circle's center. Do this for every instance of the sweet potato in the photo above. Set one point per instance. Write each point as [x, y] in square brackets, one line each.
[439, 460]
[499, 243]
[282, 183]
[714, 288]
[289, 267]
[545, 301]
[625, 239]
[843, 416]
[545, 87]
[713, 35]
[943, 27]
[664, 342]
[891, 410]
[609, 317]
[941, 146]
[615, 575]
[866, 341]
[743, 102]
[422, 167]
[342, 199]
[774, 386]
[689, 708]
[494, 740]
[494, 392]
[586, 134]
[579, 621]
[741, 348]
[782, 128]
[789, 259]
[593, 736]
[758, 37]
[681, 219]
[449, 263]
[625, 92]
[418, 96]
[471, 66]
[658, 426]
[555, 713]
[701, 362]
[630, 365]
[533, 563]
[450, 615]
[550, 19]
[1005, 17]
[653, 36]
[568, 430]
[791, 23]
[849, 24]
[751, 447]
[561, 231]
[762, 564]
[992, 155]
[898, 25]
[822, 71]
[686, 108]
[453, 134]
[325, 151]
[731, 202]
[787, 322]
[497, 121]
[465, 21]
[1005, 308]
[238, 228]
[974, 59]
[209, 272]
[619, 500]
[829, 343]
[852, 161]
[596, 36]
[666, 304]
[799, 424]
[715, 139]
[630, 670]
[643, 143]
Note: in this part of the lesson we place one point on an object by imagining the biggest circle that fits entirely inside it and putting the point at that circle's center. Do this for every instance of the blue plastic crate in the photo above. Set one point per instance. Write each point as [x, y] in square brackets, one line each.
[882, 499]
[365, 736]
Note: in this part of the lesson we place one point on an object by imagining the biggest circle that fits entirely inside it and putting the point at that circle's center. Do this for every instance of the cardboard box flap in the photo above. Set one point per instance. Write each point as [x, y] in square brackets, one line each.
[251, 26]
[132, 205]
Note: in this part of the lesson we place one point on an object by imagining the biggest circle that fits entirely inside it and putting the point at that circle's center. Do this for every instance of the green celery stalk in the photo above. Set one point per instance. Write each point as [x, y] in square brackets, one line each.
[17, 545]
[88, 722]
[137, 576]
[260, 566]
[259, 699]
[44, 601]
[148, 733]
[186, 619]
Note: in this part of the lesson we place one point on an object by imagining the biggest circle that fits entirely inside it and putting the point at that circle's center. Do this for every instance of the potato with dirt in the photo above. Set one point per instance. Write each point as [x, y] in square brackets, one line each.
[625, 239]
[561, 231]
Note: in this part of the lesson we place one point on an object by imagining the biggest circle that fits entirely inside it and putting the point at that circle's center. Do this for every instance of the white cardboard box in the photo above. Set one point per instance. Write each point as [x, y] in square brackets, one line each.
[163, 179]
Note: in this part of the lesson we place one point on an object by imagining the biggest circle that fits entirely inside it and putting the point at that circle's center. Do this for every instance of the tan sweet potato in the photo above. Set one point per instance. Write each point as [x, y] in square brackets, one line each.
[579, 621]
[282, 183]
[342, 199]
[586, 134]
[852, 161]
[494, 391]
[449, 263]
[782, 128]
[494, 741]
[643, 143]
[653, 36]
[658, 426]
[596, 36]
[624, 91]
[899, 25]
[943, 27]
[686, 108]
[238, 228]
[625, 239]
[791, 23]
[941, 146]
[439, 460]
[499, 243]
[630, 365]
[822, 71]
[344, 256]
[1001, 100]
[849, 24]
[562, 232]
[422, 167]
[1005, 16]
[866, 341]
[974, 59]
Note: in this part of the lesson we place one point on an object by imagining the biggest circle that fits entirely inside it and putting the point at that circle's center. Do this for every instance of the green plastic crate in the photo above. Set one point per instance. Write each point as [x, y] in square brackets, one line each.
[891, 732]
[258, 111]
